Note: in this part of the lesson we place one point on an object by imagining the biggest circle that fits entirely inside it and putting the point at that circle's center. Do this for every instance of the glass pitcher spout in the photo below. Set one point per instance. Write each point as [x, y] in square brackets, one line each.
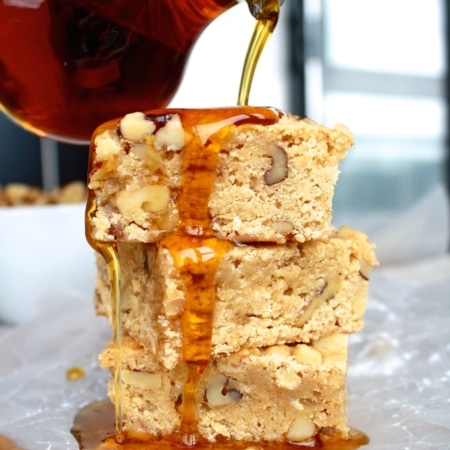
[265, 9]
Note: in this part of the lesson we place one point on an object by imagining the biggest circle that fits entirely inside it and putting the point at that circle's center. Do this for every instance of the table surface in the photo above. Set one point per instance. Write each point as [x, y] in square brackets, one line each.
[398, 382]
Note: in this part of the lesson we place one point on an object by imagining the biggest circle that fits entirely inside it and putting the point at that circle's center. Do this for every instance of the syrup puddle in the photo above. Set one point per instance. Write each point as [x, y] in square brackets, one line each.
[94, 429]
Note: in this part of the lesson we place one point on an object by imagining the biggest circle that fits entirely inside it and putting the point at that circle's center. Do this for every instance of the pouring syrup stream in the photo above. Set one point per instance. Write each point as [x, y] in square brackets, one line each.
[266, 12]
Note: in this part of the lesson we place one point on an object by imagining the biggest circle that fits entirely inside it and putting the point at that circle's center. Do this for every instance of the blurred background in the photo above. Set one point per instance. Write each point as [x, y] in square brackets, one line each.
[378, 66]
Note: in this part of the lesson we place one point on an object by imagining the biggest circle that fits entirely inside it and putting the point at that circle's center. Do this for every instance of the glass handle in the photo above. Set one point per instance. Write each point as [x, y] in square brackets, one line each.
[49, 164]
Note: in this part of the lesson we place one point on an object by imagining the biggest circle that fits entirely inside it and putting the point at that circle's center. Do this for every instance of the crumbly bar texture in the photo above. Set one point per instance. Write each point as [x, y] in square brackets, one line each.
[272, 393]
[273, 182]
[264, 294]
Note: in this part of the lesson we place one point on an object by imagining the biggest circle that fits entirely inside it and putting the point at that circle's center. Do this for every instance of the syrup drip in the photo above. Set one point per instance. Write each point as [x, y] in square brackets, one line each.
[196, 251]
[196, 259]
[111, 257]
[267, 18]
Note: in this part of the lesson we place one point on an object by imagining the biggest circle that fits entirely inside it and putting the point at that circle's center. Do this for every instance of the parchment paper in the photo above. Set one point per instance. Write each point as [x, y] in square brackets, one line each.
[399, 377]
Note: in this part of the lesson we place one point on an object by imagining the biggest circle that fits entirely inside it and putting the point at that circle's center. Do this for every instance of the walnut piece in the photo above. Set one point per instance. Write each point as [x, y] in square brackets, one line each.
[153, 198]
[106, 146]
[329, 290]
[149, 155]
[279, 170]
[19, 194]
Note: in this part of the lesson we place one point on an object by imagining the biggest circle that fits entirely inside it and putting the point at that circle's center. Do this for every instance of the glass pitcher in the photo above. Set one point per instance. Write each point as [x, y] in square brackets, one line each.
[67, 66]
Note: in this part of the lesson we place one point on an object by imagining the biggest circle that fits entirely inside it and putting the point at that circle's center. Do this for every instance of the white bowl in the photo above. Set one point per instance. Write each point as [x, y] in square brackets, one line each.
[42, 247]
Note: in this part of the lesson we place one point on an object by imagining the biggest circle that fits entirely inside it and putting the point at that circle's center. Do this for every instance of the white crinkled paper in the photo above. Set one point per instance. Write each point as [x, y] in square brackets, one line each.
[37, 402]
[399, 377]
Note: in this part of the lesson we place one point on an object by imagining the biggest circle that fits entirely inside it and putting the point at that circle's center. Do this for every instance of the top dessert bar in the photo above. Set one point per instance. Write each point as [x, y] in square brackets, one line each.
[273, 174]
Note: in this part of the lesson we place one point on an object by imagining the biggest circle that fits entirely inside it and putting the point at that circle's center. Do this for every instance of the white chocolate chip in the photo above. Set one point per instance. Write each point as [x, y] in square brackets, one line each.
[142, 380]
[152, 198]
[283, 226]
[135, 126]
[281, 350]
[171, 135]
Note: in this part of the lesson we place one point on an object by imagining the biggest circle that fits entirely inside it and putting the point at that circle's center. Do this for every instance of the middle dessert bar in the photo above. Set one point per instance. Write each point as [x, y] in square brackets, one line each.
[265, 294]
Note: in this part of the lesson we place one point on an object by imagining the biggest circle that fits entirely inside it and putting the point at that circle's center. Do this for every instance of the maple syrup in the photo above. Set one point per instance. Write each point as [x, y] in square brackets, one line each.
[267, 18]
[75, 373]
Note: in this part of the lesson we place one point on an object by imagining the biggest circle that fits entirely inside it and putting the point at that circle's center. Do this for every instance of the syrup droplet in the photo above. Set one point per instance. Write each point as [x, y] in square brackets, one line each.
[75, 373]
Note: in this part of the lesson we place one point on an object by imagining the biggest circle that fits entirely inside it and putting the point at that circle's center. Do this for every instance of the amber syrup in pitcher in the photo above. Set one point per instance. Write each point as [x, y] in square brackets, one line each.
[69, 65]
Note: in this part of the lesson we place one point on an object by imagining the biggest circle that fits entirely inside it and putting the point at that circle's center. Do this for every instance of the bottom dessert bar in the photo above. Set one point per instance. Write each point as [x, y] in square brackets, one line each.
[277, 393]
